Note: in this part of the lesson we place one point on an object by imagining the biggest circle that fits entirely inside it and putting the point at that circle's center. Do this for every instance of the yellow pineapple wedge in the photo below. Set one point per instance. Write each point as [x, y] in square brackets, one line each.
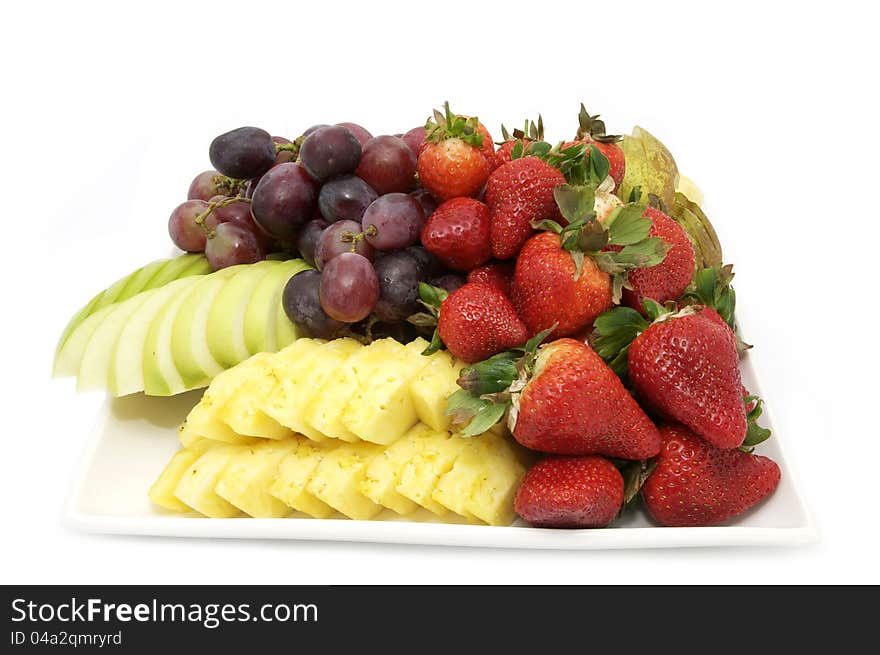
[290, 366]
[300, 380]
[242, 411]
[383, 472]
[382, 409]
[294, 473]
[246, 480]
[338, 477]
[162, 491]
[483, 480]
[196, 486]
[430, 387]
[325, 411]
[437, 452]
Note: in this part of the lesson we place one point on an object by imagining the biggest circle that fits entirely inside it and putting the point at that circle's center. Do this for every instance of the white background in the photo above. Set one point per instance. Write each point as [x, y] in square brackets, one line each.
[772, 108]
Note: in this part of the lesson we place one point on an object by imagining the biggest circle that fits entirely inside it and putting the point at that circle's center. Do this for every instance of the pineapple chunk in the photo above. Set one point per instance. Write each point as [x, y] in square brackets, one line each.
[246, 480]
[382, 410]
[337, 479]
[162, 491]
[205, 419]
[483, 481]
[294, 473]
[241, 412]
[418, 476]
[383, 473]
[196, 487]
[430, 388]
[302, 373]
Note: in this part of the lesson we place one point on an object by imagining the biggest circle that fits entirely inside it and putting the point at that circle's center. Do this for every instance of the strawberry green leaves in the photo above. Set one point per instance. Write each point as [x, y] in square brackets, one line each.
[755, 434]
[493, 375]
[446, 125]
[711, 287]
[593, 127]
[472, 415]
[616, 329]
[430, 298]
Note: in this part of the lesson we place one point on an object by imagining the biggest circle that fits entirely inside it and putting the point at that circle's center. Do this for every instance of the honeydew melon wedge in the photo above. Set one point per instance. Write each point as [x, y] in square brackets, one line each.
[225, 327]
[126, 370]
[69, 354]
[94, 369]
[260, 319]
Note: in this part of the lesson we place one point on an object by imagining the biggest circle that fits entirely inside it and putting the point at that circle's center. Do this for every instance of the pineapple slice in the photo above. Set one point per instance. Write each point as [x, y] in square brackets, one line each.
[324, 412]
[196, 487]
[337, 479]
[382, 409]
[190, 438]
[246, 480]
[483, 481]
[162, 491]
[294, 473]
[241, 412]
[302, 372]
[383, 473]
[418, 476]
[430, 388]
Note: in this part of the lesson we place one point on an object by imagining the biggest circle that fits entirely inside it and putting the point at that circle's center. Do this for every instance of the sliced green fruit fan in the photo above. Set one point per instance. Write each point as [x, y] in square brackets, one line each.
[172, 325]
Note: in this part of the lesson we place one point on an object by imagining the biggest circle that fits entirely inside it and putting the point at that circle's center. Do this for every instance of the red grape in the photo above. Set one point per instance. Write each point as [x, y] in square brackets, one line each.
[345, 198]
[330, 151]
[349, 287]
[340, 237]
[236, 211]
[302, 304]
[307, 239]
[285, 198]
[388, 165]
[426, 200]
[204, 186]
[415, 139]
[232, 244]
[393, 221]
[360, 133]
[184, 231]
[243, 153]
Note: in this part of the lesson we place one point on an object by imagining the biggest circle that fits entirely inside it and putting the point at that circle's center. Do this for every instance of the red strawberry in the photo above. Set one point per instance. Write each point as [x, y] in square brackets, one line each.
[455, 160]
[570, 492]
[668, 279]
[531, 132]
[685, 367]
[545, 291]
[575, 405]
[477, 321]
[591, 132]
[697, 484]
[502, 154]
[518, 193]
[497, 274]
[457, 233]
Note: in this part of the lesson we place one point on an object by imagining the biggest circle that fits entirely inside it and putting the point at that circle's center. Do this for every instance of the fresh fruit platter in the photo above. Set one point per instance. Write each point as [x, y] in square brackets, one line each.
[435, 326]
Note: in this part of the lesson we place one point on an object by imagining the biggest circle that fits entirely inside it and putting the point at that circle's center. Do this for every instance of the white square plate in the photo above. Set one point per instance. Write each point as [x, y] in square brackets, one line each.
[134, 437]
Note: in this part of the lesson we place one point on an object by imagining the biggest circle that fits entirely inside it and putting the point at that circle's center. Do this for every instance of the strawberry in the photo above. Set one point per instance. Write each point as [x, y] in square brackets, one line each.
[591, 132]
[684, 367]
[546, 289]
[477, 321]
[457, 234]
[566, 278]
[518, 193]
[696, 484]
[499, 274]
[575, 405]
[570, 492]
[530, 133]
[667, 280]
[453, 162]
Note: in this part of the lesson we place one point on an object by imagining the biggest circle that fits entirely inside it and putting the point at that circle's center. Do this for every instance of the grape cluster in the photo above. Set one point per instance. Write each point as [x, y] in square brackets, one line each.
[345, 201]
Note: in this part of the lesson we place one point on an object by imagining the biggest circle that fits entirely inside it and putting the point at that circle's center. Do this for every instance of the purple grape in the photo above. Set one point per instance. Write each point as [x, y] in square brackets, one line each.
[360, 132]
[426, 200]
[285, 198]
[399, 274]
[449, 281]
[393, 221]
[330, 151]
[243, 153]
[340, 237]
[401, 332]
[314, 128]
[388, 165]
[239, 212]
[307, 240]
[345, 199]
[184, 231]
[349, 287]
[415, 139]
[429, 265]
[302, 303]
[232, 244]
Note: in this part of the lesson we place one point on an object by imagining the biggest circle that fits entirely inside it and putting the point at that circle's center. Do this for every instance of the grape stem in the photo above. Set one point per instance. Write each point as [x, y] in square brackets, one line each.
[228, 184]
[291, 147]
[217, 204]
[347, 236]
